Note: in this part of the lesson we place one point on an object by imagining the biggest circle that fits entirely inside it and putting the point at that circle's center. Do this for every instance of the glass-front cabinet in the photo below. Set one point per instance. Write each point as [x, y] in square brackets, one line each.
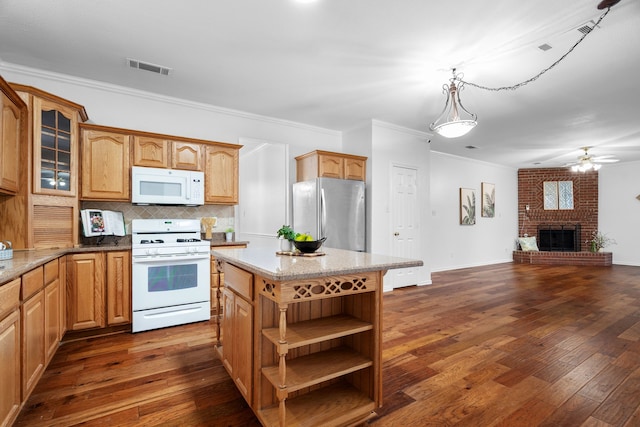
[55, 149]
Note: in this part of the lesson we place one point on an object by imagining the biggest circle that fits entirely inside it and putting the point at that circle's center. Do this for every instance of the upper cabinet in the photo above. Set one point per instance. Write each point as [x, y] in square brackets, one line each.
[221, 174]
[12, 136]
[54, 138]
[150, 152]
[164, 153]
[44, 213]
[326, 164]
[105, 164]
[185, 155]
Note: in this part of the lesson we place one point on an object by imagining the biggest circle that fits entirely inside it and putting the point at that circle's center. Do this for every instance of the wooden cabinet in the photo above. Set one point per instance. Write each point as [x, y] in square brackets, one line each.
[118, 288]
[44, 213]
[98, 289]
[52, 302]
[13, 117]
[33, 334]
[185, 155]
[327, 164]
[237, 355]
[221, 174]
[85, 291]
[30, 332]
[218, 160]
[236, 350]
[317, 355]
[62, 277]
[217, 280]
[55, 148]
[150, 151]
[157, 152]
[105, 164]
[10, 352]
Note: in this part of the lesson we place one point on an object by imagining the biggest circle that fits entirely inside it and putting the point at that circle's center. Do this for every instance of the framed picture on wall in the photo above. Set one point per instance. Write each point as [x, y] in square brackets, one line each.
[467, 206]
[488, 200]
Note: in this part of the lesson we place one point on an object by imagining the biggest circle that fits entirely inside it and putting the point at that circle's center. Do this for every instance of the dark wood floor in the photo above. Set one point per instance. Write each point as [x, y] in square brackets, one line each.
[504, 345]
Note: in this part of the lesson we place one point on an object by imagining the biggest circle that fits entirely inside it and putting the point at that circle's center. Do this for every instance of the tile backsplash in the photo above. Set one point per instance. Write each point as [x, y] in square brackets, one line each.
[225, 214]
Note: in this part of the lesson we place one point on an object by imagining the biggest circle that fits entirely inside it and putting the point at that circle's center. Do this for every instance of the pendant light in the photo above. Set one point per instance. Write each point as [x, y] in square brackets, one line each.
[455, 120]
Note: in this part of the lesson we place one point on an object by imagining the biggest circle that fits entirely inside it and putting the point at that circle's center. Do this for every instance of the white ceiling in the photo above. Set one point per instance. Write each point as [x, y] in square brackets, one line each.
[337, 63]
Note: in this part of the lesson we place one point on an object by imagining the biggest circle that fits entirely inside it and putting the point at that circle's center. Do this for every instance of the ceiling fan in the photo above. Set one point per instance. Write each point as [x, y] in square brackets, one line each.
[587, 162]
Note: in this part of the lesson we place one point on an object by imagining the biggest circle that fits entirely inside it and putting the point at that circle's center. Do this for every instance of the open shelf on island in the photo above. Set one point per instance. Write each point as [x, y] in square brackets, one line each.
[318, 367]
[336, 405]
[318, 330]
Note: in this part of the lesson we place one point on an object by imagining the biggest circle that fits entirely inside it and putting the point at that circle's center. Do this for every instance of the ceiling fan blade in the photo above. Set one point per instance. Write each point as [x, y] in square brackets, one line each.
[605, 160]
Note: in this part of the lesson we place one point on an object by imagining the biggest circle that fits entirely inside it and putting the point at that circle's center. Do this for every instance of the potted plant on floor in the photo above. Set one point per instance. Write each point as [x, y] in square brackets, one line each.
[286, 236]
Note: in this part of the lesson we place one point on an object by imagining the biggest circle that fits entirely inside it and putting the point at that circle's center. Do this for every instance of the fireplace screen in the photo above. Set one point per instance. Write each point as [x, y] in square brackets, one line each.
[563, 238]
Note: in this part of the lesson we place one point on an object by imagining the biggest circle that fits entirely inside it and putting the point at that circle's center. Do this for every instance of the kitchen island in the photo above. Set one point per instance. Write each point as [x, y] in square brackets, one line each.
[301, 336]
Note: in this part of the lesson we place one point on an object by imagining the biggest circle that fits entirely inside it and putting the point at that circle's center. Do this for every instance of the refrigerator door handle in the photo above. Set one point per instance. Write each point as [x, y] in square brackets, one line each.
[323, 214]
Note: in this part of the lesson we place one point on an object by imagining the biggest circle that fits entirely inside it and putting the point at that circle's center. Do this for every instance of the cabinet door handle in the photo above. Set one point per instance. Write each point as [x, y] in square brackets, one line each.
[396, 234]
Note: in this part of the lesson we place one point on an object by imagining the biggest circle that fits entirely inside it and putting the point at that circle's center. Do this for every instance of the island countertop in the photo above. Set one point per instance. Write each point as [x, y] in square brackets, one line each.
[268, 264]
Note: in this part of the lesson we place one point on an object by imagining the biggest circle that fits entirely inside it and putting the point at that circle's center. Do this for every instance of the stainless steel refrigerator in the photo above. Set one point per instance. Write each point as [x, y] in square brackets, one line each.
[331, 208]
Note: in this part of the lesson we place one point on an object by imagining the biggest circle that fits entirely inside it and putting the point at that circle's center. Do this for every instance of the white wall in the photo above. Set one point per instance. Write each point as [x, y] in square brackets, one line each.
[265, 192]
[122, 107]
[619, 210]
[394, 145]
[490, 240]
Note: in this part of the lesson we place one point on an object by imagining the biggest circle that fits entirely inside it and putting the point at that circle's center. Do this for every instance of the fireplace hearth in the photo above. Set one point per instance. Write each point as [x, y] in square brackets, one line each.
[560, 238]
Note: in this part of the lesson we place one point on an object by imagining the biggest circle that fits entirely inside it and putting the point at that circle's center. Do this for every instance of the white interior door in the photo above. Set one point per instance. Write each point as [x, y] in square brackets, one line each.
[405, 224]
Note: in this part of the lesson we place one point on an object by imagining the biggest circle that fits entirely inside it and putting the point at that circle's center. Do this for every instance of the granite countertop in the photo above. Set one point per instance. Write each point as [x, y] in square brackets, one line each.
[266, 263]
[25, 260]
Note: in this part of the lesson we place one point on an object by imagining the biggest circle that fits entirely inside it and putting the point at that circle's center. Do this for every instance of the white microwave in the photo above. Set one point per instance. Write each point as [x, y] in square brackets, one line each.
[154, 186]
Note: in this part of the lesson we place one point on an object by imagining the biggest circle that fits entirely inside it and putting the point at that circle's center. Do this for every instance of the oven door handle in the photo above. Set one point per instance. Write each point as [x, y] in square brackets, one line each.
[152, 259]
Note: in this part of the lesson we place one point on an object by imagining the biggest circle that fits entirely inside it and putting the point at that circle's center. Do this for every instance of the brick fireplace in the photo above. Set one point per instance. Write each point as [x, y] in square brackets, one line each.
[583, 218]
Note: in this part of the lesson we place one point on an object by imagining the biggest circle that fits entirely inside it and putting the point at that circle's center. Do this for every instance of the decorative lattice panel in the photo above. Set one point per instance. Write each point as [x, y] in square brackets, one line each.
[324, 287]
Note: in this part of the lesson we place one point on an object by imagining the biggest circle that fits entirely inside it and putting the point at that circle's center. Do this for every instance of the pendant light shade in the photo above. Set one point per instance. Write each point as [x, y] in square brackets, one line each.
[455, 120]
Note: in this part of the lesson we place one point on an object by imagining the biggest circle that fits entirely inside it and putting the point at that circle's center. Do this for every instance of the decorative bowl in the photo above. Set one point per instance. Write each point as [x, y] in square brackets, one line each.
[309, 247]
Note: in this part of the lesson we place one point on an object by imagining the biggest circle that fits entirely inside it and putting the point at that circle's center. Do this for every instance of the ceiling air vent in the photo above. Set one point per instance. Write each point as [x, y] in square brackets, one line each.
[154, 68]
[544, 47]
[586, 27]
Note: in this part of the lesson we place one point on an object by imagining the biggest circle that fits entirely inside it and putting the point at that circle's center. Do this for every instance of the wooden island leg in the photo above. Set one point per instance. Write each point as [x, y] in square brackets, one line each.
[283, 349]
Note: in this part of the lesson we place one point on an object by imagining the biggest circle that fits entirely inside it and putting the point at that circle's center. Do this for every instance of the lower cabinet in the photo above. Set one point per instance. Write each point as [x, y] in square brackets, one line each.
[34, 309]
[99, 289]
[52, 302]
[236, 351]
[10, 352]
[304, 351]
[85, 287]
[118, 288]
[52, 327]
[32, 319]
[33, 351]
